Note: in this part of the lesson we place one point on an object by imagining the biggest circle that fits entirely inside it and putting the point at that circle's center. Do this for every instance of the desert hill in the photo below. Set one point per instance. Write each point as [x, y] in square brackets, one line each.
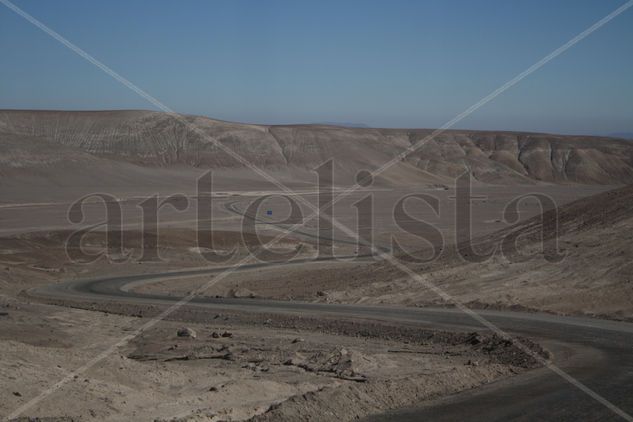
[595, 276]
[130, 145]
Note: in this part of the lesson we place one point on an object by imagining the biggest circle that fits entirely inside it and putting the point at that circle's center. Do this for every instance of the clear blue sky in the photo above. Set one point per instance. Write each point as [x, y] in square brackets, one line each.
[382, 63]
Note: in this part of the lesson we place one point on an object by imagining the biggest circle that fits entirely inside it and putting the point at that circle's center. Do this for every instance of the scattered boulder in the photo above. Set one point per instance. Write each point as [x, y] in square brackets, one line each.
[186, 332]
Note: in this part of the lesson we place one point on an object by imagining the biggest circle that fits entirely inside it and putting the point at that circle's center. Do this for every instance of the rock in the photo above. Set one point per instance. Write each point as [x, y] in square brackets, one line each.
[17, 394]
[321, 293]
[474, 339]
[472, 363]
[242, 293]
[298, 340]
[186, 332]
[214, 389]
[215, 335]
[227, 334]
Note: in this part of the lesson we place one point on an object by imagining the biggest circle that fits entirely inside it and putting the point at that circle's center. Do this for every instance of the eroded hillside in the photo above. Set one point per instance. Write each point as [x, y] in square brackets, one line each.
[41, 139]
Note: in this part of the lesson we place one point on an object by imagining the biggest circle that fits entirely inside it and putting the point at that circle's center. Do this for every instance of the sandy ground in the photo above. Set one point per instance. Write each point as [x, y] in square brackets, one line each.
[487, 211]
[234, 368]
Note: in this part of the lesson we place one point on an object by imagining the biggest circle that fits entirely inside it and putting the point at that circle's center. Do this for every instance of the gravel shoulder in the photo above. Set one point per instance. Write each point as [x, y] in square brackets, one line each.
[234, 366]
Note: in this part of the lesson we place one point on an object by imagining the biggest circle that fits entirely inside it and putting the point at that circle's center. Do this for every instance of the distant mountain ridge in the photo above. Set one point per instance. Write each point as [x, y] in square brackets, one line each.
[42, 141]
[625, 135]
[344, 124]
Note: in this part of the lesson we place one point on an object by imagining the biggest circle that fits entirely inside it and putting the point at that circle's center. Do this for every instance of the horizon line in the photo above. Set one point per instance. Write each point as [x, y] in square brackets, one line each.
[342, 125]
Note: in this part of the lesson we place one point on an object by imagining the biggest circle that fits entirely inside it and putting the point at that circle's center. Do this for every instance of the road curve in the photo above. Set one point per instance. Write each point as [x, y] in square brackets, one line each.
[598, 353]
